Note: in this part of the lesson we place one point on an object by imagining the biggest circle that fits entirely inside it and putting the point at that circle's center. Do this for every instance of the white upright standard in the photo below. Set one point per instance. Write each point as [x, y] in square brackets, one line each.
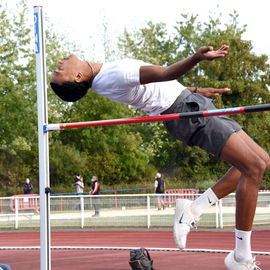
[44, 182]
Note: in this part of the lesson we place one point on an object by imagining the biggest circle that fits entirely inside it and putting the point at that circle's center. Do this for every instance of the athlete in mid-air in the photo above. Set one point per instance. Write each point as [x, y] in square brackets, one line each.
[154, 89]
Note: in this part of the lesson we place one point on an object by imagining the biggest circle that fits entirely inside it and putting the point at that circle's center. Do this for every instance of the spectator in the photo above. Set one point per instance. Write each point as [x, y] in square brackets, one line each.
[159, 189]
[78, 184]
[27, 186]
[95, 191]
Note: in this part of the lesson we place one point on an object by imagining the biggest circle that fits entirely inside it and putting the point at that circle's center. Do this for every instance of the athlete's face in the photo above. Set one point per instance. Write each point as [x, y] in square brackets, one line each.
[67, 69]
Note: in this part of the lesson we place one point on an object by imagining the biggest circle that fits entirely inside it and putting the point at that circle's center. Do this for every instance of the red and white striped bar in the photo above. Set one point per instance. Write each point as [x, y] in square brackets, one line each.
[165, 117]
[112, 122]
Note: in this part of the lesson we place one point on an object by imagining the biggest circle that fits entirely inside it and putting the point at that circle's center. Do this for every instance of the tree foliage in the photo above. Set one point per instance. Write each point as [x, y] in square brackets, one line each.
[241, 70]
[125, 153]
[112, 153]
[17, 97]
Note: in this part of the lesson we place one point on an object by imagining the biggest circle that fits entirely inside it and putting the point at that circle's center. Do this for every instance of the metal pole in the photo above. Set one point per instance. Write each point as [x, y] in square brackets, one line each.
[16, 213]
[221, 214]
[44, 190]
[148, 211]
[82, 210]
[165, 117]
[217, 214]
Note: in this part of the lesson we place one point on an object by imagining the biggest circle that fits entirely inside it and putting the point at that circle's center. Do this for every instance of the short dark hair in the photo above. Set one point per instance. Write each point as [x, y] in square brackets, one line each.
[70, 91]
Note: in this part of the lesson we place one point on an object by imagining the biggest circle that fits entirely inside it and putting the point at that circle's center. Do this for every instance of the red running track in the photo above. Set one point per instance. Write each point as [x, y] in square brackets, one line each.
[77, 259]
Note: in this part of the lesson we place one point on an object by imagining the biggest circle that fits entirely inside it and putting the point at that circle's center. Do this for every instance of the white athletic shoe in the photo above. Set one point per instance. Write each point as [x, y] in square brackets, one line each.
[232, 264]
[184, 220]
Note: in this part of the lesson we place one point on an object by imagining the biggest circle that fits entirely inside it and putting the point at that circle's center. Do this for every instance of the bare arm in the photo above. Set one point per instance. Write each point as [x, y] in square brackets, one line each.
[209, 92]
[154, 73]
[155, 186]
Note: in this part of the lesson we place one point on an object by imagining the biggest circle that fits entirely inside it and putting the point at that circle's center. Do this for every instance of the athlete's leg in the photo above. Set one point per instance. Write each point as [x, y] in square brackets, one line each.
[228, 183]
[251, 162]
[252, 167]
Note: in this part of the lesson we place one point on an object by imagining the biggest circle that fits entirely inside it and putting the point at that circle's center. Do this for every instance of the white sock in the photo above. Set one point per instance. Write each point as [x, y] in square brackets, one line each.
[201, 204]
[242, 246]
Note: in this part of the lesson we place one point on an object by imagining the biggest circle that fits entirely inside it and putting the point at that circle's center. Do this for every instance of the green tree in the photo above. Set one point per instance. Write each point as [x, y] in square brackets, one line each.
[124, 153]
[17, 99]
[113, 152]
[244, 72]
[18, 109]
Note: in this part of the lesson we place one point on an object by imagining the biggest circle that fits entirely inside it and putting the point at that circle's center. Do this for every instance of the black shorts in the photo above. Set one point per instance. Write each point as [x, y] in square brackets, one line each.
[209, 133]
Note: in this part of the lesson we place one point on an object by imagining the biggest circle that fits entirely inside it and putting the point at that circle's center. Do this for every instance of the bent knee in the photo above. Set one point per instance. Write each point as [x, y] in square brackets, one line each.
[256, 169]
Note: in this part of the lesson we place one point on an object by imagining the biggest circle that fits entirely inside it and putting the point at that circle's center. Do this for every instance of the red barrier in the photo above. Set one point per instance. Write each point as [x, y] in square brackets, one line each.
[25, 202]
[188, 193]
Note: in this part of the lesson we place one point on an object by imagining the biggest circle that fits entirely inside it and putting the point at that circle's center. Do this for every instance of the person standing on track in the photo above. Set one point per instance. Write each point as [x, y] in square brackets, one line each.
[28, 186]
[154, 89]
[78, 184]
[95, 191]
[159, 189]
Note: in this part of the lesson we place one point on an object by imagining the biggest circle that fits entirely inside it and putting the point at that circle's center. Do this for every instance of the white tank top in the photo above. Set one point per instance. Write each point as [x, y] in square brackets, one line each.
[120, 81]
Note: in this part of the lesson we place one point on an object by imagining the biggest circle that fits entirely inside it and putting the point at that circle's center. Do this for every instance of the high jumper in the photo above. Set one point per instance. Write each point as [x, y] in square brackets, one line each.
[154, 89]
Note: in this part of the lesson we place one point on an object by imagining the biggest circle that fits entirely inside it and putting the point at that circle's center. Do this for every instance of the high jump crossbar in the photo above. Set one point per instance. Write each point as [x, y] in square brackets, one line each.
[165, 117]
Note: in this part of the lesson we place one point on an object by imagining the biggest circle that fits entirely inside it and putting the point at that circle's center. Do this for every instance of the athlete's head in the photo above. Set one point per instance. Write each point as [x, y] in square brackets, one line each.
[72, 78]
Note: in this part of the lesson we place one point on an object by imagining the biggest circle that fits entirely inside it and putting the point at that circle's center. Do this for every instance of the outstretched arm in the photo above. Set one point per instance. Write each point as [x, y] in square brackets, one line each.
[154, 73]
[209, 92]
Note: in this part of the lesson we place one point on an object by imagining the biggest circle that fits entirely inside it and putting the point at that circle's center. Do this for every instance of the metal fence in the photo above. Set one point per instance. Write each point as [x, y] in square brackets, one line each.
[119, 211]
